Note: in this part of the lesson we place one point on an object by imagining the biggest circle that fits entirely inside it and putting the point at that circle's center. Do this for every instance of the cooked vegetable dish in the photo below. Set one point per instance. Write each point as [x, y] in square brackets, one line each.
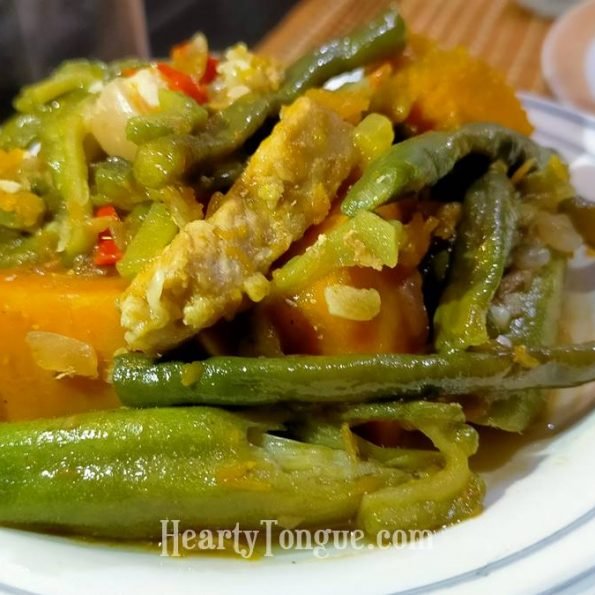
[232, 290]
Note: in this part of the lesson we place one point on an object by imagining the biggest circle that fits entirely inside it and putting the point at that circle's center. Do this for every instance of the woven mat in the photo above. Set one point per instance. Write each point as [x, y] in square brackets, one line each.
[499, 31]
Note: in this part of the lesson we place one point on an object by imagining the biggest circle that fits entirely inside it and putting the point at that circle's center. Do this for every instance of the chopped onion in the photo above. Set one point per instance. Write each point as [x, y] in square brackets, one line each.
[513, 302]
[504, 341]
[64, 355]
[557, 231]
[120, 100]
[351, 303]
[10, 186]
[531, 257]
[500, 316]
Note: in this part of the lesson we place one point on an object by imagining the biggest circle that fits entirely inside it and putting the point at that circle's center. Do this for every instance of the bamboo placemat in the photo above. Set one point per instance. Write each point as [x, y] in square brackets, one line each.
[499, 31]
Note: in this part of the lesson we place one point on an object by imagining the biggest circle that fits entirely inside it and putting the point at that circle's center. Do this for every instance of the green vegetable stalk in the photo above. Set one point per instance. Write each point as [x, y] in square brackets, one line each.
[63, 137]
[117, 474]
[226, 381]
[178, 114]
[365, 240]
[19, 131]
[115, 185]
[421, 161]
[165, 159]
[450, 493]
[69, 76]
[484, 241]
[537, 325]
[156, 231]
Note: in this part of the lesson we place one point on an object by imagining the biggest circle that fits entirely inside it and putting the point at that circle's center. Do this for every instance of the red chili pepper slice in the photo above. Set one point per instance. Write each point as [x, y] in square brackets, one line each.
[180, 81]
[106, 252]
[107, 211]
[210, 73]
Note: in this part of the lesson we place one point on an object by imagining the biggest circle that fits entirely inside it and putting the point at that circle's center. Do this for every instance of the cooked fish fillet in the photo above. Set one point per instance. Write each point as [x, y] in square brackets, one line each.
[209, 268]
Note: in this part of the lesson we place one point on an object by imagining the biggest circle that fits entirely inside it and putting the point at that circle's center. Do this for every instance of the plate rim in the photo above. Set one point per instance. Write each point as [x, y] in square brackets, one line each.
[479, 574]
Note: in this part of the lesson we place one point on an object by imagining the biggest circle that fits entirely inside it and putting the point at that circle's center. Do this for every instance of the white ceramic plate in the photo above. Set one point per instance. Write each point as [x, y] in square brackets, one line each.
[568, 57]
[536, 535]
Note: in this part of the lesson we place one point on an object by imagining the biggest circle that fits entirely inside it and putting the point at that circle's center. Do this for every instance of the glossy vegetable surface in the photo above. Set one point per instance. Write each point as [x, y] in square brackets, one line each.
[537, 325]
[293, 298]
[168, 158]
[258, 381]
[482, 248]
[213, 468]
[422, 160]
[79, 308]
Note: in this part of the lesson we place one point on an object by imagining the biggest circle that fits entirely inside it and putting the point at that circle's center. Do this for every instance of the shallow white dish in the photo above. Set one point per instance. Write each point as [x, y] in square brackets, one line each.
[537, 533]
[568, 57]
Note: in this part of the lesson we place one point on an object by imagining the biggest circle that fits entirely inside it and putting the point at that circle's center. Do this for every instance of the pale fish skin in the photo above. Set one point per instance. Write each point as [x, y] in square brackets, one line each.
[215, 264]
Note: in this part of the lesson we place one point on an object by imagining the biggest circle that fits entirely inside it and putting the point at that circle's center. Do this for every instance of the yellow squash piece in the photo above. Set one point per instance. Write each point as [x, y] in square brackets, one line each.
[441, 89]
[306, 323]
[81, 308]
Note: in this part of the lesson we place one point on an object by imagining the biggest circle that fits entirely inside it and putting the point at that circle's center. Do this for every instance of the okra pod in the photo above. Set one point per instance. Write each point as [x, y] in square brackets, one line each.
[116, 474]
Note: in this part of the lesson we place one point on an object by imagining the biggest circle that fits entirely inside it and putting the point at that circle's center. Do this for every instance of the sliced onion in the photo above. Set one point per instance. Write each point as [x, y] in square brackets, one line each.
[557, 231]
[531, 257]
[513, 302]
[500, 316]
[64, 355]
[351, 303]
[120, 100]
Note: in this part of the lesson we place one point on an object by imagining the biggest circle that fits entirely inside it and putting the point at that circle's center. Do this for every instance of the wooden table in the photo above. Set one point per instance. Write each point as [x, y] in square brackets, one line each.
[499, 31]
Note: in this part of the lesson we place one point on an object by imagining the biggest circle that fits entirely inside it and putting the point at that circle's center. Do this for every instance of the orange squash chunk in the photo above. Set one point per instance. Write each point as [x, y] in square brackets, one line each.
[305, 325]
[82, 308]
[440, 89]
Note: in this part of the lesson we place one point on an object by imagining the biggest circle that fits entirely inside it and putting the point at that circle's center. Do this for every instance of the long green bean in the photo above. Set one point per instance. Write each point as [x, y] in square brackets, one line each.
[484, 241]
[160, 161]
[140, 382]
[421, 161]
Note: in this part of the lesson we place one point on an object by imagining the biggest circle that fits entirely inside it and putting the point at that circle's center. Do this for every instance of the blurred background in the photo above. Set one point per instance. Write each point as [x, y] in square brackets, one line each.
[36, 35]
[542, 46]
